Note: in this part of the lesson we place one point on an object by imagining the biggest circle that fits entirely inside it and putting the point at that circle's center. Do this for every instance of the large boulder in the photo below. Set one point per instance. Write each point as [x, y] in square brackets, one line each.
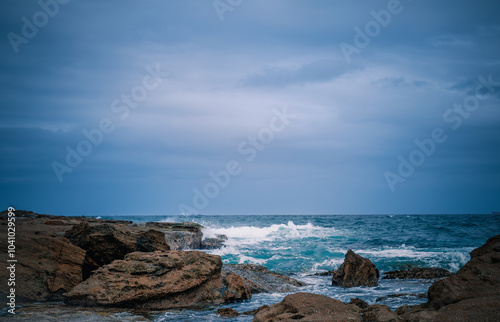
[180, 236]
[104, 243]
[479, 278]
[356, 271]
[418, 273]
[259, 279]
[46, 268]
[151, 240]
[160, 280]
[308, 307]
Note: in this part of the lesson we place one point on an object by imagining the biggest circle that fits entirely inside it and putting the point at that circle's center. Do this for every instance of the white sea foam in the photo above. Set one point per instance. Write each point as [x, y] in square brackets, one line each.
[252, 234]
[329, 264]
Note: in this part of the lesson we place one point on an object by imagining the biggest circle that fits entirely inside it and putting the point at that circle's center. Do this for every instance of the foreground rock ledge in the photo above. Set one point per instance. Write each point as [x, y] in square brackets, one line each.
[160, 280]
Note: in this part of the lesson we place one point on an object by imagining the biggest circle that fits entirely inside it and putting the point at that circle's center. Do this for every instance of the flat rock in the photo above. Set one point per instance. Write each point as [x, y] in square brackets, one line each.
[355, 271]
[309, 307]
[418, 273]
[160, 280]
[259, 279]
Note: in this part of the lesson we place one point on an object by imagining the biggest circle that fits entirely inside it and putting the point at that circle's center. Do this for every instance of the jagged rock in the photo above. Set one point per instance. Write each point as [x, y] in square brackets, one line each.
[356, 271]
[213, 243]
[160, 280]
[180, 236]
[418, 273]
[47, 267]
[479, 278]
[259, 279]
[103, 243]
[151, 241]
[309, 307]
[227, 312]
[359, 303]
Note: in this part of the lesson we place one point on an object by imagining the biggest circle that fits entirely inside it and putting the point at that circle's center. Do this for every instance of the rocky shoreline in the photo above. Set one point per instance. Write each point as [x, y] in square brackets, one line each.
[111, 265]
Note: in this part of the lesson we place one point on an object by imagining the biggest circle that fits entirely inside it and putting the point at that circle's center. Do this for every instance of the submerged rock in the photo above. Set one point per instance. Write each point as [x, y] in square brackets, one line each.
[356, 271]
[309, 307]
[227, 312]
[259, 279]
[160, 280]
[418, 273]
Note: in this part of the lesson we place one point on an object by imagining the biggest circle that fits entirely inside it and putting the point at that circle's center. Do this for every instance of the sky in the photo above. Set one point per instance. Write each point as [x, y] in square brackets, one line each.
[250, 107]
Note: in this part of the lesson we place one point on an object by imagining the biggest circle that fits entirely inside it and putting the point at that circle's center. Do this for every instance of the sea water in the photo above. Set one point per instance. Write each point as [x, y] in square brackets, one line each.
[302, 245]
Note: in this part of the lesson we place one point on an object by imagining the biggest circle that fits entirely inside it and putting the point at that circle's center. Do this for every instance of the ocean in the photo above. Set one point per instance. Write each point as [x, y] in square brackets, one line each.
[302, 245]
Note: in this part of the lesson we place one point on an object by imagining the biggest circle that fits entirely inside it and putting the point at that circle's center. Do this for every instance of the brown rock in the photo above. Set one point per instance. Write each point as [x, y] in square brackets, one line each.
[479, 278]
[356, 271]
[418, 273]
[227, 312]
[309, 307]
[151, 241]
[103, 244]
[46, 267]
[160, 280]
[259, 279]
[359, 303]
[379, 313]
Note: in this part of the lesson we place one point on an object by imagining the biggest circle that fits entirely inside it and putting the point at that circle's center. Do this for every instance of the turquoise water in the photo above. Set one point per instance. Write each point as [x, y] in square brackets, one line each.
[300, 246]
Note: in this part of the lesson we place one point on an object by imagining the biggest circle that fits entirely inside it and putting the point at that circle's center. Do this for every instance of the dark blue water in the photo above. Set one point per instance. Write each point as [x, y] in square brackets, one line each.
[303, 245]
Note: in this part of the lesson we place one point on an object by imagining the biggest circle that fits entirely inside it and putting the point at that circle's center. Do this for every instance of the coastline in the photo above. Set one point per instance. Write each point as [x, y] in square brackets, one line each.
[57, 230]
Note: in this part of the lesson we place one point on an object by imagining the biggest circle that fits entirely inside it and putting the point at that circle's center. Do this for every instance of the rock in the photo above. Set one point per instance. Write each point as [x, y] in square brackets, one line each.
[160, 280]
[103, 243]
[309, 307]
[227, 312]
[259, 279]
[479, 278]
[418, 273]
[47, 267]
[359, 303]
[379, 313]
[180, 236]
[151, 241]
[213, 243]
[329, 273]
[356, 271]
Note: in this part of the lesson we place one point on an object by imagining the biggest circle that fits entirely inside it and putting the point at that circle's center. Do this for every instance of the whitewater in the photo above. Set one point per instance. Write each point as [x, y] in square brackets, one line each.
[302, 245]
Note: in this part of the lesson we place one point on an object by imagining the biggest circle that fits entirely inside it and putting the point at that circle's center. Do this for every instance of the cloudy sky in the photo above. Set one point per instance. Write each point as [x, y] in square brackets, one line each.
[250, 106]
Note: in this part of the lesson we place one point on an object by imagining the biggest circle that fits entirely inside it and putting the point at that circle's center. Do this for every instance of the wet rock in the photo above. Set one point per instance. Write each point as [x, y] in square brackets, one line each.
[418, 273]
[479, 278]
[180, 236]
[160, 280]
[227, 312]
[213, 243]
[259, 279]
[309, 307]
[417, 295]
[356, 271]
